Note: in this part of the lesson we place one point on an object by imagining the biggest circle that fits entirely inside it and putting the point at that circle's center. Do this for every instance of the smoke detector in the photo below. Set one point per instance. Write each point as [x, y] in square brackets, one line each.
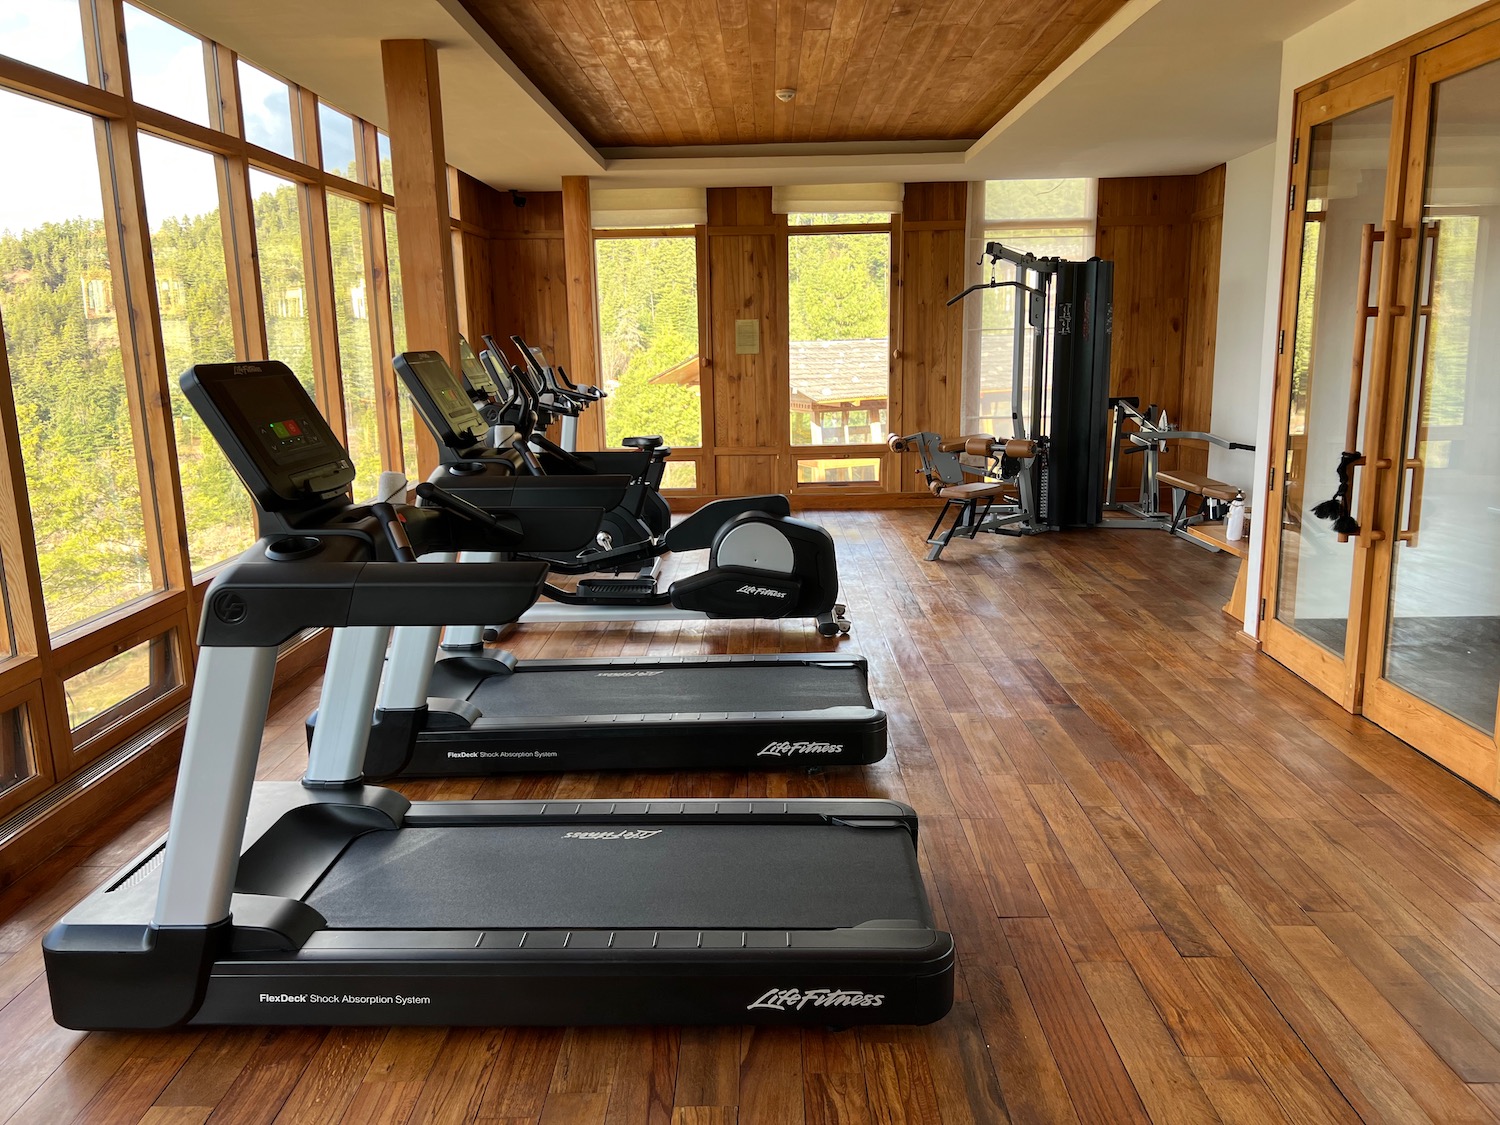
[786, 94]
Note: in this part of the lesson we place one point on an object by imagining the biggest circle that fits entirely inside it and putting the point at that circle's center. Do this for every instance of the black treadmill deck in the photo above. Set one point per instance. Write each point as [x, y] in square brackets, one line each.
[673, 876]
[783, 711]
[776, 912]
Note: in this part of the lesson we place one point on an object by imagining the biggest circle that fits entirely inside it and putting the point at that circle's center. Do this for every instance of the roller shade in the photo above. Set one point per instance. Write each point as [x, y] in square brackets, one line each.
[649, 207]
[822, 198]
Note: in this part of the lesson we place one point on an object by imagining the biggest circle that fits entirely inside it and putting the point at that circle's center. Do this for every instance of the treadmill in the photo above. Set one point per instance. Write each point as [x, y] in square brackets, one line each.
[334, 902]
[482, 712]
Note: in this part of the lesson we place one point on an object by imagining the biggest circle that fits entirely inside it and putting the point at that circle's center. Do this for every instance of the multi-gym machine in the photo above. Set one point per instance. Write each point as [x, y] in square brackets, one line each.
[1049, 472]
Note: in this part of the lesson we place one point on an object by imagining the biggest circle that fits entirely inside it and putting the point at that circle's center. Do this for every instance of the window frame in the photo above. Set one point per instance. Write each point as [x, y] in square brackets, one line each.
[33, 675]
[700, 454]
[982, 229]
[844, 451]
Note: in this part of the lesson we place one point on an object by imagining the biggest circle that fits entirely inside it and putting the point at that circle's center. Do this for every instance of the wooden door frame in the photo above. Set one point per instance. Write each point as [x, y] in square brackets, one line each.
[1460, 747]
[1337, 676]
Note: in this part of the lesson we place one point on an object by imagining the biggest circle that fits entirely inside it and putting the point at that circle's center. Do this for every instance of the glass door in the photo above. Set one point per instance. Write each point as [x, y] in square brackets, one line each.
[1343, 254]
[1433, 667]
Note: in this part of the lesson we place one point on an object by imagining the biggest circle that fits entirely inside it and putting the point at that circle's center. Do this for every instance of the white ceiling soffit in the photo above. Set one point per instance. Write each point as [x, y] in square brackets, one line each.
[497, 126]
[1182, 85]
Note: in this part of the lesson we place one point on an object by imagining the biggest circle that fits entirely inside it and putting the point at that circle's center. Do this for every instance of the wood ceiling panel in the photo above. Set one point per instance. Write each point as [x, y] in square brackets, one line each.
[692, 72]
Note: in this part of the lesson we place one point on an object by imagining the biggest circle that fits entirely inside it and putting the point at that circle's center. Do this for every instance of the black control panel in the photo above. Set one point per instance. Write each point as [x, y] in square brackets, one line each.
[475, 372]
[270, 429]
[441, 398]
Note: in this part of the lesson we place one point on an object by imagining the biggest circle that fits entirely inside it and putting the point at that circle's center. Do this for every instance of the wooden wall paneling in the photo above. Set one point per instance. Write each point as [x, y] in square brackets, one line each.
[750, 392]
[1202, 315]
[927, 391]
[1145, 228]
[419, 171]
[583, 301]
[530, 289]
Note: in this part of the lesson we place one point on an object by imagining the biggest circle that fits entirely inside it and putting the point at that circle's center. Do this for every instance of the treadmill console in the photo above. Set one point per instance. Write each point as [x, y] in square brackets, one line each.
[270, 429]
[476, 375]
[441, 398]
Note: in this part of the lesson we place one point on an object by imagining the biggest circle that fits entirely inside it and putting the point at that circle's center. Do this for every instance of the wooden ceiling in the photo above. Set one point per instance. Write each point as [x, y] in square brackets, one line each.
[693, 72]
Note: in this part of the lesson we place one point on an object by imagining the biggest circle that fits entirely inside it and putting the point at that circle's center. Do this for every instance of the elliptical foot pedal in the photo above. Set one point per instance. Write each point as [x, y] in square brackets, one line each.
[602, 588]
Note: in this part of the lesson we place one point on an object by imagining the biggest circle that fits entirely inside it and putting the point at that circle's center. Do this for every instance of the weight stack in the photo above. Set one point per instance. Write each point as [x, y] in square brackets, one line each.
[1082, 323]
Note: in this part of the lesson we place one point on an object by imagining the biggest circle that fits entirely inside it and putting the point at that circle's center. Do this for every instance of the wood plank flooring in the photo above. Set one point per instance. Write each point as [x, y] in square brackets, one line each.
[1184, 887]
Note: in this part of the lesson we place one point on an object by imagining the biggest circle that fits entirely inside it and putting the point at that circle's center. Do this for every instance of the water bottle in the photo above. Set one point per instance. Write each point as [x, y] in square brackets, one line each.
[1234, 526]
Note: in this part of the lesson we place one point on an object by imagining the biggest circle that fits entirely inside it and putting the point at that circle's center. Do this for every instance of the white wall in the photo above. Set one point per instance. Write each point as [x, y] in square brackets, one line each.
[1346, 36]
[1239, 340]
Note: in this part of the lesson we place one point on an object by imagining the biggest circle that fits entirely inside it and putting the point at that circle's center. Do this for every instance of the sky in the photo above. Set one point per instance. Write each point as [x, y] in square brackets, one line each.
[166, 68]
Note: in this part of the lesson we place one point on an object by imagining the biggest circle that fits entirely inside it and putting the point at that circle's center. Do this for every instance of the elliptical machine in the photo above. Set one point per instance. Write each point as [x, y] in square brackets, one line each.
[762, 563]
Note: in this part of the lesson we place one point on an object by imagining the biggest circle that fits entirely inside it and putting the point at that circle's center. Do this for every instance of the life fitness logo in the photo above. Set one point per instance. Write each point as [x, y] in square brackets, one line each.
[763, 591]
[621, 834]
[792, 749]
[795, 999]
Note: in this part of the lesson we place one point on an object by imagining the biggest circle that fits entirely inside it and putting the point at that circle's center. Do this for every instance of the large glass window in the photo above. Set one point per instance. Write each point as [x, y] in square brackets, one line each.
[62, 339]
[407, 415]
[44, 33]
[1048, 218]
[266, 102]
[839, 298]
[648, 339]
[337, 131]
[187, 246]
[386, 181]
[351, 294]
[283, 273]
[167, 66]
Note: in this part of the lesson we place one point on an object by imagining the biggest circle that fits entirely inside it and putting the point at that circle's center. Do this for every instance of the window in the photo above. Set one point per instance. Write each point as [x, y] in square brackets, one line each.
[267, 105]
[67, 370]
[123, 684]
[283, 273]
[386, 181]
[187, 248]
[1048, 218]
[346, 232]
[167, 66]
[407, 414]
[44, 33]
[648, 341]
[337, 132]
[93, 588]
[839, 298]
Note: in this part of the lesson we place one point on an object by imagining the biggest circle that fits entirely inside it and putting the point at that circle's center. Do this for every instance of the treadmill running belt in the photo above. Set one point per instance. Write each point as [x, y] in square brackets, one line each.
[677, 688]
[692, 876]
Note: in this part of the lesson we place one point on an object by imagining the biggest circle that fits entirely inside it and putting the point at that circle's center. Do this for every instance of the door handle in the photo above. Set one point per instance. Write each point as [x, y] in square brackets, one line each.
[1408, 534]
[1385, 310]
[1367, 239]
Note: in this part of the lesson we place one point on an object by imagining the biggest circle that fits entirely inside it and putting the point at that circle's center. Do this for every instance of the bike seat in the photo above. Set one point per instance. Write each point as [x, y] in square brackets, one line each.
[650, 441]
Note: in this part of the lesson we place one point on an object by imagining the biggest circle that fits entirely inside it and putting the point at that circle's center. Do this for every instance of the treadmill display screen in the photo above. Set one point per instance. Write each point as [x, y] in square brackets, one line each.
[443, 390]
[474, 371]
[283, 422]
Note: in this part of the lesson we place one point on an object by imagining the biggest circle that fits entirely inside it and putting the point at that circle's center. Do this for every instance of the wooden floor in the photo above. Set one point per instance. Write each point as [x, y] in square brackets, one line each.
[1183, 885]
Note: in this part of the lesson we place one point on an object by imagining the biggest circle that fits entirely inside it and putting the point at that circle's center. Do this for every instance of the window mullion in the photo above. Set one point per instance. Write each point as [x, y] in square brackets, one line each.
[382, 338]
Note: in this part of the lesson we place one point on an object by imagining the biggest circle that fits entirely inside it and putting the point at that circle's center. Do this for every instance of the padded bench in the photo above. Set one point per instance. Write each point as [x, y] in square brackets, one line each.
[1185, 484]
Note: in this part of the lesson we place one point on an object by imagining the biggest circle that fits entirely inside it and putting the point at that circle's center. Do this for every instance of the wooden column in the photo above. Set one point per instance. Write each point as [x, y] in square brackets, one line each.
[419, 169]
[583, 302]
